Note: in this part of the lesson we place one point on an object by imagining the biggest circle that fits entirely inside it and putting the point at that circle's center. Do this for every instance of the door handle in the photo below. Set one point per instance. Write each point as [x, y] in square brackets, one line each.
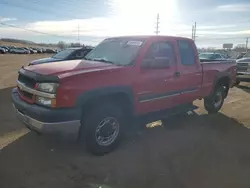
[177, 74]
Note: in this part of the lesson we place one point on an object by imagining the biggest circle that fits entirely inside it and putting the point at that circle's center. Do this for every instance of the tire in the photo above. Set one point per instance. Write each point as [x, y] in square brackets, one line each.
[237, 82]
[103, 116]
[214, 102]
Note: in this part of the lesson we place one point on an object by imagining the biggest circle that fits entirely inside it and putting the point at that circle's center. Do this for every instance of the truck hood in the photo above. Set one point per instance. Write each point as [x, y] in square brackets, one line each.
[69, 67]
[44, 60]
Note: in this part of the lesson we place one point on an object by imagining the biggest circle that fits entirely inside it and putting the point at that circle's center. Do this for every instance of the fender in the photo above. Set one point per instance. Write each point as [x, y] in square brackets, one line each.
[105, 91]
[220, 75]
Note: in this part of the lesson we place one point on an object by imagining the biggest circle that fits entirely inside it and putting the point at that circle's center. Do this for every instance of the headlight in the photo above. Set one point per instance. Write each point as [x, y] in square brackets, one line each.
[45, 101]
[47, 87]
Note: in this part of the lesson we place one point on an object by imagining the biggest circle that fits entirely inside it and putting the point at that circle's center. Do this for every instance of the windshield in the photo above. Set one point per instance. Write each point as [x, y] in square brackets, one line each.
[206, 56]
[118, 51]
[63, 54]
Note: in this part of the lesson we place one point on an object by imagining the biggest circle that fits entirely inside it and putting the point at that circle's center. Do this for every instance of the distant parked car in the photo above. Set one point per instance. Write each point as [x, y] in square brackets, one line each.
[32, 51]
[212, 56]
[5, 48]
[67, 54]
[28, 49]
[39, 50]
[2, 50]
[19, 51]
[50, 51]
[243, 70]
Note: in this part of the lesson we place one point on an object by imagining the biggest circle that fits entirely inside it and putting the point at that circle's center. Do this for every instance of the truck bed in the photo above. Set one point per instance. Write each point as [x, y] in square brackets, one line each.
[213, 69]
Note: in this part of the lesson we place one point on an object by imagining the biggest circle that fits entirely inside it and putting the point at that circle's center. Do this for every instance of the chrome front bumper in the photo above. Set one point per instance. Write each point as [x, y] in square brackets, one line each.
[61, 121]
[67, 128]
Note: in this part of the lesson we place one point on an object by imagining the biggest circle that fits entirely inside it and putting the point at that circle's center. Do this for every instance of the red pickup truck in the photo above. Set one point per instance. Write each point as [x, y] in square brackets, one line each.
[123, 78]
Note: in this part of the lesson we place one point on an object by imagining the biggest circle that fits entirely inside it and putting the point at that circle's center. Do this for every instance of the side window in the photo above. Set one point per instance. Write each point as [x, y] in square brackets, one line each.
[79, 54]
[161, 49]
[217, 56]
[186, 52]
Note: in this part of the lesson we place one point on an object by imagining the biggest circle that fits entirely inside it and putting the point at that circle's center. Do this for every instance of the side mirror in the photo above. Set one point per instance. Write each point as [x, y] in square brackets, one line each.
[156, 63]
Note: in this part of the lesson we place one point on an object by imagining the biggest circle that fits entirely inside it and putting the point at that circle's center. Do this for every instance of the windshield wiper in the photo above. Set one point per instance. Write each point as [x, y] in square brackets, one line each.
[88, 59]
[103, 60]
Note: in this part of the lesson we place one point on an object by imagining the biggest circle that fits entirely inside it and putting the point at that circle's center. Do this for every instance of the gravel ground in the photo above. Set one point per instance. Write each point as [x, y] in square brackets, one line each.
[200, 151]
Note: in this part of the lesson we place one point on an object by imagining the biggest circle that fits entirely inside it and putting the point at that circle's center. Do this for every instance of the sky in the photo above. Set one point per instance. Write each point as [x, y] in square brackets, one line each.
[218, 21]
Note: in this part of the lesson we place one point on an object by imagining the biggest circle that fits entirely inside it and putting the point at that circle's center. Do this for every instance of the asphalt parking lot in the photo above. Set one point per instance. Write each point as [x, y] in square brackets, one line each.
[201, 150]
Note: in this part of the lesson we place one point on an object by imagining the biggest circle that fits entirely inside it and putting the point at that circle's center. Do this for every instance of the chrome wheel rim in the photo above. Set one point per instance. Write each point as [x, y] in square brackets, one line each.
[218, 99]
[107, 131]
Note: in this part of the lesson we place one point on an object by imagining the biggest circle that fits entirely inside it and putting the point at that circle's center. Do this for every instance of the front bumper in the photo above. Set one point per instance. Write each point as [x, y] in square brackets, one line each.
[243, 76]
[64, 122]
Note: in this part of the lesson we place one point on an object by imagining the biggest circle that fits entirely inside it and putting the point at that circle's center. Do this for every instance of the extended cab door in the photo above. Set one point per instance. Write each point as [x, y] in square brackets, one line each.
[189, 72]
[155, 86]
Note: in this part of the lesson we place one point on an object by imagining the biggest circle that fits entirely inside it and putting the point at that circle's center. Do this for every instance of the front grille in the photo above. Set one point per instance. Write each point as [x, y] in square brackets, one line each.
[29, 82]
[242, 67]
[25, 94]
[242, 64]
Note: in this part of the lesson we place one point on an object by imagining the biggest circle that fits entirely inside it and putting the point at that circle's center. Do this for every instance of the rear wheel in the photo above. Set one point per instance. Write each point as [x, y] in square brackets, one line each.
[103, 128]
[214, 102]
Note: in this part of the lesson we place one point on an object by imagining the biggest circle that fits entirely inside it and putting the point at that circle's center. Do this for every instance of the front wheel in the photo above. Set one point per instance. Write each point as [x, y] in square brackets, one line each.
[103, 128]
[214, 102]
[237, 82]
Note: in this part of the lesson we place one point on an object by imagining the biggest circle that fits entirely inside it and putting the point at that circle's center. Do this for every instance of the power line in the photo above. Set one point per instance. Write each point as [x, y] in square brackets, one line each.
[52, 10]
[246, 44]
[78, 36]
[221, 38]
[44, 33]
[30, 30]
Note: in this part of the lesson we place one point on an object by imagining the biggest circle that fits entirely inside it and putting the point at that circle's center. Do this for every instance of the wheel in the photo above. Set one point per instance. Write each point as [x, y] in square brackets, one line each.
[103, 128]
[237, 82]
[214, 102]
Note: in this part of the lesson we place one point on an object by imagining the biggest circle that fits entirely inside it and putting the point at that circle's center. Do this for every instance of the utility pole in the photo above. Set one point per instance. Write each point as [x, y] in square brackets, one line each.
[194, 31]
[157, 24]
[246, 44]
[78, 35]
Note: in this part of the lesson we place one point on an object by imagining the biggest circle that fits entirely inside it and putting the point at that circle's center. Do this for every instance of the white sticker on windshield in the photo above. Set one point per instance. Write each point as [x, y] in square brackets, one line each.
[134, 43]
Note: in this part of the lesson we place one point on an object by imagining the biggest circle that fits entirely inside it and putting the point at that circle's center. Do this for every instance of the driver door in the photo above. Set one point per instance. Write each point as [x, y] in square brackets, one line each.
[154, 85]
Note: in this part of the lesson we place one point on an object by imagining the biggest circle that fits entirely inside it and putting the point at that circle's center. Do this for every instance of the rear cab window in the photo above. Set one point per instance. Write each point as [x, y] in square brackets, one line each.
[187, 53]
[217, 56]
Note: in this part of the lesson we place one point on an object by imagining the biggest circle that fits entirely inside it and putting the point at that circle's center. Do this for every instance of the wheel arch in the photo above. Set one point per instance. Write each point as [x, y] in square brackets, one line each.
[223, 79]
[123, 95]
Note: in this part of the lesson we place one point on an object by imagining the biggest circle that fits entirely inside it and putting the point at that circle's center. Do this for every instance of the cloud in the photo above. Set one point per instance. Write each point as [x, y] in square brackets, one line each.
[125, 19]
[216, 27]
[3, 19]
[234, 8]
[9, 32]
[94, 30]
